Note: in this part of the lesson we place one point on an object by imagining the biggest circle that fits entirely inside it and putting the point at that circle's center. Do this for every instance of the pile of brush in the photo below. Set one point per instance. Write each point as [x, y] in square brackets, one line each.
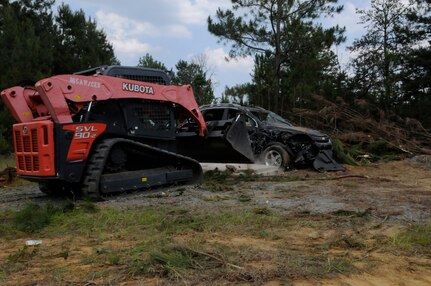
[364, 130]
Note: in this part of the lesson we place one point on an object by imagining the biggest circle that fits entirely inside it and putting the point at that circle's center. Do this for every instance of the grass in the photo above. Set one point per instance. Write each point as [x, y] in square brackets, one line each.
[351, 186]
[233, 242]
[34, 217]
[222, 181]
[170, 242]
[22, 254]
[339, 265]
[415, 238]
[7, 161]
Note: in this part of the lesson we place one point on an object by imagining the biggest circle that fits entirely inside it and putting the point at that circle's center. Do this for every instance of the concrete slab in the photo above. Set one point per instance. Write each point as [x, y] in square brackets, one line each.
[258, 169]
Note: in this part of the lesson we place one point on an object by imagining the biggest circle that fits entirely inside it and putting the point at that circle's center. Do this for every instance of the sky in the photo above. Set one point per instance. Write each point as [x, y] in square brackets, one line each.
[171, 30]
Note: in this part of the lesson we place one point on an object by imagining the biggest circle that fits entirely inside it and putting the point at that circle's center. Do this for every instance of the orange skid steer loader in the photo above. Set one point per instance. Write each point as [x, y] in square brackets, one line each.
[105, 130]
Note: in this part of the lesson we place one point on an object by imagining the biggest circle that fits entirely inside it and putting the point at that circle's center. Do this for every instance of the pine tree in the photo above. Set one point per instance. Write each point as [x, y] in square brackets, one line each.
[379, 52]
[149, 62]
[192, 73]
[266, 27]
[416, 72]
[34, 46]
[79, 44]
[26, 53]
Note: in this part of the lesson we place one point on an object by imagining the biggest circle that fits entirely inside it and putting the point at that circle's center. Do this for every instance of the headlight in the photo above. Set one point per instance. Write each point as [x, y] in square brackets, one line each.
[321, 138]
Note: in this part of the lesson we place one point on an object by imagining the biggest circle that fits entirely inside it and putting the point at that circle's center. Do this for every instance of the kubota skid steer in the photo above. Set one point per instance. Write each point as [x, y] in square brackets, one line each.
[104, 130]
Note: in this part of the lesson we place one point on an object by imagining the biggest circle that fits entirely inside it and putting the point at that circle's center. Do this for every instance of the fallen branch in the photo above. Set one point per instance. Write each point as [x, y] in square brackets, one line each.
[380, 223]
[218, 259]
[336, 178]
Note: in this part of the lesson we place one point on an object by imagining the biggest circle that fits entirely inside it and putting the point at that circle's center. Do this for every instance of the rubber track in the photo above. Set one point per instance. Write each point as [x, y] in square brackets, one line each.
[97, 161]
[95, 166]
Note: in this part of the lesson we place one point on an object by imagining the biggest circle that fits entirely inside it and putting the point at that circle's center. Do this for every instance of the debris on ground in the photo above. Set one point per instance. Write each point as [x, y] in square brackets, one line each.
[424, 160]
[245, 169]
[33, 242]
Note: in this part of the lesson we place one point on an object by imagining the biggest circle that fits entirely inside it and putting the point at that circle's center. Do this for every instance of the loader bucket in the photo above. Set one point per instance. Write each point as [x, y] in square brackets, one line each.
[238, 138]
[324, 162]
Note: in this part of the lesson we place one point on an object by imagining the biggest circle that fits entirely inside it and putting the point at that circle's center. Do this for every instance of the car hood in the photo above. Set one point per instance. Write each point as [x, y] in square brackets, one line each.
[295, 129]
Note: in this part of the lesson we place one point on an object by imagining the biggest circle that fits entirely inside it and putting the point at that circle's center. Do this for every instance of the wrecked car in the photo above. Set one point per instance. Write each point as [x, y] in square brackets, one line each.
[252, 134]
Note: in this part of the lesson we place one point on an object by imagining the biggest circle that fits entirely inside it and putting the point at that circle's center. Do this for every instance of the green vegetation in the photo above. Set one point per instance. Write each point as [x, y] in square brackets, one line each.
[196, 72]
[34, 217]
[223, 181]
[364, 153]
[282, 76]
[82, 219]
[416, 238]
[390, 78]
[22, 254]
[390, 67]
[342, 155]
[164, 241]
[187, 246]
[383, 150]
[7, 161]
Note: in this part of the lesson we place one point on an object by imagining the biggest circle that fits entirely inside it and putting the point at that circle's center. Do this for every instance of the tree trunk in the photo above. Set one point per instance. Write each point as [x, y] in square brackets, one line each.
[279, 18]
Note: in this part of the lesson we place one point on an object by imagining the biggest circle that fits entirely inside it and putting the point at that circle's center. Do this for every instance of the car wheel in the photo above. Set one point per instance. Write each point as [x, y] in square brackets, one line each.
[275, 156]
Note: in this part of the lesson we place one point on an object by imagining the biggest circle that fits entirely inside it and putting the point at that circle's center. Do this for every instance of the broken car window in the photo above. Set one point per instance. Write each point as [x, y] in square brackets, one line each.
[271, 118]
[232, 113]
[212, 115]
[250, 122]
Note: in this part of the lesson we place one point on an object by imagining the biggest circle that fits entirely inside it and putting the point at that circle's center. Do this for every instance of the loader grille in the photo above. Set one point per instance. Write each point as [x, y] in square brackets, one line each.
[34, 156]
[27, 151]
[144, 78]
[153, 118]
[18, 141]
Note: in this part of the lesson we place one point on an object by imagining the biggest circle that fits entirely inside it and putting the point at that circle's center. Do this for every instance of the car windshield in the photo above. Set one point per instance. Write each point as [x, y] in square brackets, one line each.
[271, 118]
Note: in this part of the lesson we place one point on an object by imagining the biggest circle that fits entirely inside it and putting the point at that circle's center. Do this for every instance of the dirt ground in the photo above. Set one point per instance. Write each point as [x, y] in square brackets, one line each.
[354, 216]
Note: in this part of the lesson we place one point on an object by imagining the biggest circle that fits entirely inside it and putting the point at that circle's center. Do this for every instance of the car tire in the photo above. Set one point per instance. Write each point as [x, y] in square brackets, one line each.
[276, 156]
